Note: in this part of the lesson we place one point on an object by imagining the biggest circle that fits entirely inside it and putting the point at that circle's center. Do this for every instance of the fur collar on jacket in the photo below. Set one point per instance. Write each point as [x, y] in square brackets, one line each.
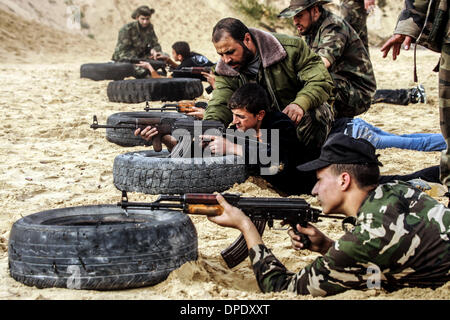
[270, 50]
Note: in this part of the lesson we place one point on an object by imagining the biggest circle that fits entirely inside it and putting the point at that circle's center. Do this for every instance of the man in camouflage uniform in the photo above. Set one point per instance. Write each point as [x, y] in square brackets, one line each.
[355, 13]
[295, 78]
[137, 39]
[400, 238]
[342, 52]
[427, 23]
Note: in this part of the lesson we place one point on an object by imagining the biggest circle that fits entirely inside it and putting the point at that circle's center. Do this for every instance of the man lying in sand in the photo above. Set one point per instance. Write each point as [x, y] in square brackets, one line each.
[400, 238]
[250, 105]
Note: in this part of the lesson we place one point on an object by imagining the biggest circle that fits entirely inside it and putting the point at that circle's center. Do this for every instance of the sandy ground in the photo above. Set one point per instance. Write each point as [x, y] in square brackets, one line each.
[50, 158]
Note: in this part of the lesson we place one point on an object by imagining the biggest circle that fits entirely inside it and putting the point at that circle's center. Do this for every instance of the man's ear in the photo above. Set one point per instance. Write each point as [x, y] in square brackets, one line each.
[261, 114]
[345, 180]
[315, 12]
[247, 39]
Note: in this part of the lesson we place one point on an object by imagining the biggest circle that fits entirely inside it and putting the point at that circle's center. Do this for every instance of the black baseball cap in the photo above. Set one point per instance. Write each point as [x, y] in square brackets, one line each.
[343, 149]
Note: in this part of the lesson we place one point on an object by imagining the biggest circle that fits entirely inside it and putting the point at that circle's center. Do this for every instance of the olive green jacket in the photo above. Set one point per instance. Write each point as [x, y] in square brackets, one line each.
[290, 72]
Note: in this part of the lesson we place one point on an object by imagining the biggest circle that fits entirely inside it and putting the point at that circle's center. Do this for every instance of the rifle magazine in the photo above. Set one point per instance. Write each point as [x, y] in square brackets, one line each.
[238, 251]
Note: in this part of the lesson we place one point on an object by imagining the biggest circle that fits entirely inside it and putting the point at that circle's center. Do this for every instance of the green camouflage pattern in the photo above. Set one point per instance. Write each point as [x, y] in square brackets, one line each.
[355, 14]
[401, 239]
[431, 32]
[333, 38]
[428, 22]
[134, 42]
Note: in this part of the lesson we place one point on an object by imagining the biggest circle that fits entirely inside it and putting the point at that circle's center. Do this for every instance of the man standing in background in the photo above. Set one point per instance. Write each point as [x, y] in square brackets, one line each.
[355, 12]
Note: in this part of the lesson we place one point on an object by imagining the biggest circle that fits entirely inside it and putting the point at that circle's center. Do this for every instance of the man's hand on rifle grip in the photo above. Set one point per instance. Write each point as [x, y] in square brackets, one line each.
[150, 134]
[319, 241]
[233, 217]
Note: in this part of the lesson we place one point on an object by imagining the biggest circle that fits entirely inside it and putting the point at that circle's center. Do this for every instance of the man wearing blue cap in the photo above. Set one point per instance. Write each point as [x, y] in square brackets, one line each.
[400, 238]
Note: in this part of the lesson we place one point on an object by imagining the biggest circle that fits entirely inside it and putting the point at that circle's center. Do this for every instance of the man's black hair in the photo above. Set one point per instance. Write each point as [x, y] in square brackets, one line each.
[236, 28]
[252, 97]
[365, 175]
[182, 47]
[142, 11]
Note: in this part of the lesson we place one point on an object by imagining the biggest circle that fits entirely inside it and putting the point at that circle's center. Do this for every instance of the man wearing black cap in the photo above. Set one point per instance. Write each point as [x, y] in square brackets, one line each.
[400, 238]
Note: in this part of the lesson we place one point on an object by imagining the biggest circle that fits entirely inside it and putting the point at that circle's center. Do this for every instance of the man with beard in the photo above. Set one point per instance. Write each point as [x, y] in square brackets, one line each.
[346, 57]
[295, 78]
[340, 49]
[137, 40]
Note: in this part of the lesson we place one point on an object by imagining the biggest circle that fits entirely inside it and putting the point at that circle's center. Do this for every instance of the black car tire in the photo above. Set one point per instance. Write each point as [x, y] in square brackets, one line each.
[107, 71]
[99, 247]
[153, 172]
[156, 89]
[126, 137]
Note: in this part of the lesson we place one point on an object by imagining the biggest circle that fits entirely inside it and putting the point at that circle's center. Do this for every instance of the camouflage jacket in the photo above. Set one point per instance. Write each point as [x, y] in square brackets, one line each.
[427, 21]
[401, 238]
[333, 38]
[289, 70]
[135, 42]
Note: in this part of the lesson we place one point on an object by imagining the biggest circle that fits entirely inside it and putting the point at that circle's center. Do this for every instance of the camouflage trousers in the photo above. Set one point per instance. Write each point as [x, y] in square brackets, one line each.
[355, 14]
[444, 108]
[350, 101]
[313, 129]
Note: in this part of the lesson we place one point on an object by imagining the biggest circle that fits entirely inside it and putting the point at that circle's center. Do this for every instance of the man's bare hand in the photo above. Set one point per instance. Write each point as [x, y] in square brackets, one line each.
[319, 241]
[147, 133]
[294, 112]
[145, 65]
[396, 42]
[151, 134]
[211, 78]
[198, 112]
[369, 4]
[220, 146]
[231, 217]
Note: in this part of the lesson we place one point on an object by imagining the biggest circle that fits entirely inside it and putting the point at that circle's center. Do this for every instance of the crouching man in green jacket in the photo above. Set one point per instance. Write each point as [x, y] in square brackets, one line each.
[298, 83]
[401, 236]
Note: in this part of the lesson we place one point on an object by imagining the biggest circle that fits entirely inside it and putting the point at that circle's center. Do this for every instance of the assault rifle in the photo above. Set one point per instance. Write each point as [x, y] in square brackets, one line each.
[156, 64]
[193, 72]
[184, 72]
[183, 107]
[262, 211]
[166, 126]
